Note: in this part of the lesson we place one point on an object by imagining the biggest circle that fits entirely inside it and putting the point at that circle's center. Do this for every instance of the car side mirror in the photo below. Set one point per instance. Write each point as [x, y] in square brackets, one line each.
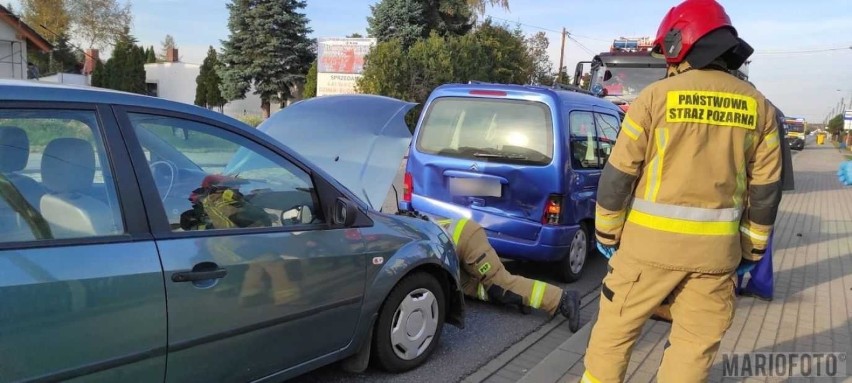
[344, 213]
[607, 75]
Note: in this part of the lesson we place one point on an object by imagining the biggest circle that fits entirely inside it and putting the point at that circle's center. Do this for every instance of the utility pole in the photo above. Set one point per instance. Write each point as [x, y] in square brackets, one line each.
[561, 56]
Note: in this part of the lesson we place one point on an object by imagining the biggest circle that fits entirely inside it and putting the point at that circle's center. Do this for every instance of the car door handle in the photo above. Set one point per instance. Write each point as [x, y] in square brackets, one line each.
[193, 276]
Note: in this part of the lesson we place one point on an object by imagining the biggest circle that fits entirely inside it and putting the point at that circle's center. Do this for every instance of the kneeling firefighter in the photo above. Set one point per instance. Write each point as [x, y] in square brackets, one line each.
[484, 276]
[687, 199]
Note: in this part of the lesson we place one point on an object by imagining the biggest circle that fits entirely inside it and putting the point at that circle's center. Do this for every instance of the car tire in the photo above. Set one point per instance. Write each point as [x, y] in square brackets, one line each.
[571, 268]
[410, 323]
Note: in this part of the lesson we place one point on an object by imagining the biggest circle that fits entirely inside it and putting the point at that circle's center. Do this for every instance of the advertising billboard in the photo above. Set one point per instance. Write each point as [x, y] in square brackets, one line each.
[847, 120]
[341, 62]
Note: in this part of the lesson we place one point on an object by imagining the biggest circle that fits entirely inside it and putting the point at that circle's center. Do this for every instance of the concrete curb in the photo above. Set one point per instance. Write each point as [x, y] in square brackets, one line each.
[512, 352]
[553, 367]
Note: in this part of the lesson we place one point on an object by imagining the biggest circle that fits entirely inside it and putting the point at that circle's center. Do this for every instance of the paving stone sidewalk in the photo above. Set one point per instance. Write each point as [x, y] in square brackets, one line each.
[812, 306]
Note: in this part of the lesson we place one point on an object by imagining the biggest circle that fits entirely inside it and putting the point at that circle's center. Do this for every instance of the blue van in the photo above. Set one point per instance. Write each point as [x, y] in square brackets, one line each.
[523, 161]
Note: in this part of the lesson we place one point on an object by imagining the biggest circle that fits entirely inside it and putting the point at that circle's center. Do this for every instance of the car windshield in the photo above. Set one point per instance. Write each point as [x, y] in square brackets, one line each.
[493, 130]
[626, 83]
[795, 127]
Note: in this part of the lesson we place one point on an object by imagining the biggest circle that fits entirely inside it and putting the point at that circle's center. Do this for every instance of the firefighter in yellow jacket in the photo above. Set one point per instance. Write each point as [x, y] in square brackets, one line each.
[484, 276]
[687, 199]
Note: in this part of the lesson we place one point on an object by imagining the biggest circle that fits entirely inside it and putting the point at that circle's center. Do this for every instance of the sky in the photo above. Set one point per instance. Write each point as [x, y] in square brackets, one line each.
[808, 84]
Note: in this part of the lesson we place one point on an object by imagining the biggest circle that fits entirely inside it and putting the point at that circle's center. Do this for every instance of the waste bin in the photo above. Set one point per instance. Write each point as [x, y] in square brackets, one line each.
[820, 138]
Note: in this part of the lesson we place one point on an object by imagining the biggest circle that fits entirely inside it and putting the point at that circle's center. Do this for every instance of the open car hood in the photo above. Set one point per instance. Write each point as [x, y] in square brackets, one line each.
[358, 139]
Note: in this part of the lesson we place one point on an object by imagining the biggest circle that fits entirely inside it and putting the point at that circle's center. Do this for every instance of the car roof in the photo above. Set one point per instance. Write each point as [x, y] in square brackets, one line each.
[31, 90]
[564, 97]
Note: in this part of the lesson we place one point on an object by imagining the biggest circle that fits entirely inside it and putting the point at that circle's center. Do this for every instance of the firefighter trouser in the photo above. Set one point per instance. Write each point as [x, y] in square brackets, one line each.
[702, 309]
[486, 278]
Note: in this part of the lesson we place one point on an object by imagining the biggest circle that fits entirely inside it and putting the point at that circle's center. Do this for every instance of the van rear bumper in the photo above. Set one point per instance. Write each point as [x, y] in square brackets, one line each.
[551, 244]
[537, 251]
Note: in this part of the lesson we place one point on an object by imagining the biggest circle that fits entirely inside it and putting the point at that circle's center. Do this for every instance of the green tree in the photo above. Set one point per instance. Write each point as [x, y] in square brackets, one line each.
[99, 75]
[150, 55]
[480, 5]
[268, 47]
[563, 77]
[537, 45]
[49, 18]
[492, 53]
[207, 84]
[125, 69]
[311, 81]
[412, 20]
[386, 71]
[167, 43]
[355, 35]
[835, 125]
[62, 59]
[507, 59]
[99, 23]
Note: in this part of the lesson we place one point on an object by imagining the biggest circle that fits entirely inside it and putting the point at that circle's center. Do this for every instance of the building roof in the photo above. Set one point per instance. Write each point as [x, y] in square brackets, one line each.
[25, 30]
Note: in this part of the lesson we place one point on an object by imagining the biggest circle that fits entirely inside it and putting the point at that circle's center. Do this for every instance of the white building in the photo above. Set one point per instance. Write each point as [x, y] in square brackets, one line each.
[175, 80]
[16, 37]
[67, 78]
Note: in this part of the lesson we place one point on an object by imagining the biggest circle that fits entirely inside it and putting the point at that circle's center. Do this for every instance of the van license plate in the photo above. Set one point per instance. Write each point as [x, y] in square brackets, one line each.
[475, 187]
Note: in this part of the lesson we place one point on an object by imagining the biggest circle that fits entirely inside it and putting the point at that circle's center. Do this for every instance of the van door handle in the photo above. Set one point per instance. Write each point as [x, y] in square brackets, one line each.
[194, 276]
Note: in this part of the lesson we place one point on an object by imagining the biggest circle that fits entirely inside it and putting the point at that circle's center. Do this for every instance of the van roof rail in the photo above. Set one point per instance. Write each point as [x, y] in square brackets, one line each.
[572, 88]
[481, 82]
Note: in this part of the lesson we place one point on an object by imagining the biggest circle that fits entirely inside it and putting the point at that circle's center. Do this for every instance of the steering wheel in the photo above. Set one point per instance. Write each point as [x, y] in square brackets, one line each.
[172, 175]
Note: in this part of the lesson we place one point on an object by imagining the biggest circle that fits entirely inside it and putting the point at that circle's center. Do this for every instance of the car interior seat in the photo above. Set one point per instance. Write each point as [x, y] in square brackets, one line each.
[14, 155]
[68, 172]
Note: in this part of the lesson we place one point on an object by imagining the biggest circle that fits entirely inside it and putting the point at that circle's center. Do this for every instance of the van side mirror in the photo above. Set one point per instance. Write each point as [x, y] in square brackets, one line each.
[345, 213]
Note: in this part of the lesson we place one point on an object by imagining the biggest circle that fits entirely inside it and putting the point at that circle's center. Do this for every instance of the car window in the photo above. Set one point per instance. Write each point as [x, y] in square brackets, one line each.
[608, 126]
[583, 138]
[54, 183]
[483, 129]
[211, 179]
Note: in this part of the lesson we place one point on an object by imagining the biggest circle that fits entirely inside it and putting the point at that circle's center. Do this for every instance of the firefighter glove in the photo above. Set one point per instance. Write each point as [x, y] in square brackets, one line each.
[607, 251]
[745, 266]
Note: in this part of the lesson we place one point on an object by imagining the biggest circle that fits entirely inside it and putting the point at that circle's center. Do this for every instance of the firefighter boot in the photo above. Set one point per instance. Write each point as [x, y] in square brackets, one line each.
[569, 306]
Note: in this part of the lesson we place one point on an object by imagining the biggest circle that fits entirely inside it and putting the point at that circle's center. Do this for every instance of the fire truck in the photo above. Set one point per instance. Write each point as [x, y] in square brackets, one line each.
[620, 74]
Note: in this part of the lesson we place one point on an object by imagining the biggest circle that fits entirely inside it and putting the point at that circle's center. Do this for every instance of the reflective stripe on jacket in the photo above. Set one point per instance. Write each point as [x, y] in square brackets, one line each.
[693, 182]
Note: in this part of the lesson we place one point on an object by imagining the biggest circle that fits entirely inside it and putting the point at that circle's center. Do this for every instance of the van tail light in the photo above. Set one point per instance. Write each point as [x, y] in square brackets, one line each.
[552, 210]
[407, 187]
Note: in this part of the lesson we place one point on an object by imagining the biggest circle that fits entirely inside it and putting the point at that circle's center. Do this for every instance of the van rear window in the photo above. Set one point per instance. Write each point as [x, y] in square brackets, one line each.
[492, 130]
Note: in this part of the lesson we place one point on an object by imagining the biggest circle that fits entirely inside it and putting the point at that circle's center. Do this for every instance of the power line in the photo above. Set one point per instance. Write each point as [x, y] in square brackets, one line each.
[589, 51]
[549, 29]
[526, 25]
[591, 38]
[804, 51]
[569, 34]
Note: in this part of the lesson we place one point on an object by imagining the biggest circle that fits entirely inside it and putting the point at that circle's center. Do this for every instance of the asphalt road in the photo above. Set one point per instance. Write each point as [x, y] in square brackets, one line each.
[489, 330]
